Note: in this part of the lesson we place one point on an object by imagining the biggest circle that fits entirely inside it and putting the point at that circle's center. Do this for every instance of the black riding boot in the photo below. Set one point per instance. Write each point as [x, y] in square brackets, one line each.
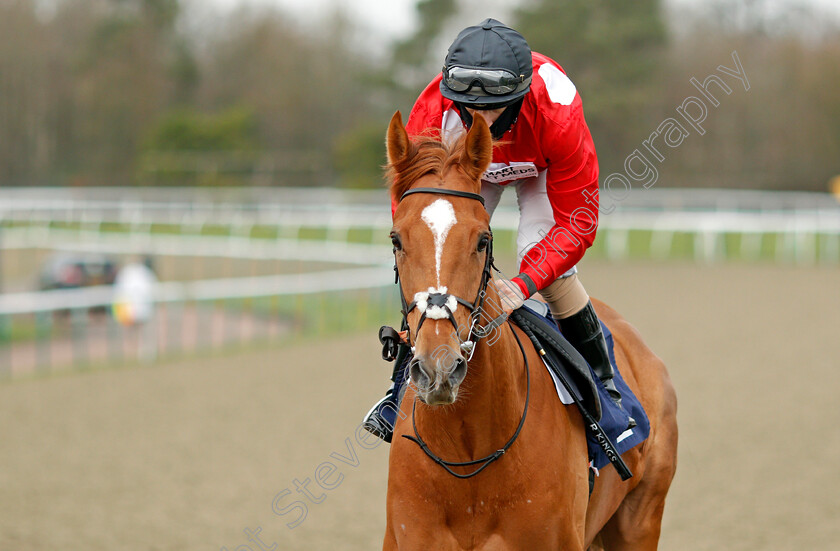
[583, 331]
[382, 417]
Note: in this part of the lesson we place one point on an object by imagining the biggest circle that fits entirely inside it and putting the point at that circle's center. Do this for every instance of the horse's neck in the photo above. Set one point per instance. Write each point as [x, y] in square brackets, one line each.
[489, 405]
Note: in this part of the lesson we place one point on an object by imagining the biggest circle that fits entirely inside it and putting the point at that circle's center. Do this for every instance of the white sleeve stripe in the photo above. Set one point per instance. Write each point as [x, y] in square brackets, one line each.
[560, 88]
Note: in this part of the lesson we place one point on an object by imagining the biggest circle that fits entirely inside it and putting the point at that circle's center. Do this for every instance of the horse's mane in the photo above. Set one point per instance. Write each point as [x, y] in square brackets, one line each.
[427, 155]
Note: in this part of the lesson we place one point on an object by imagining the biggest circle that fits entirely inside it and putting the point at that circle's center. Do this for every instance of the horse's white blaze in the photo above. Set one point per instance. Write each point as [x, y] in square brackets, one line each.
[440, 217]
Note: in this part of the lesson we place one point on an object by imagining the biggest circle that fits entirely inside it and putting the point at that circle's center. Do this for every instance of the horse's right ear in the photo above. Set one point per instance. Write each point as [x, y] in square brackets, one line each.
[478, 149]
[397, 141]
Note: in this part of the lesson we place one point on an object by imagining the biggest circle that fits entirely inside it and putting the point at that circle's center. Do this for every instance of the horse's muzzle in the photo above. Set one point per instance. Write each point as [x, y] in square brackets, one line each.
[437, 381]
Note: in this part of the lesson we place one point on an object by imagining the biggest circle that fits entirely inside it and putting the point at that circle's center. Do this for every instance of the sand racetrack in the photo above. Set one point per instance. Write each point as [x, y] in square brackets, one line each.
[188, 455]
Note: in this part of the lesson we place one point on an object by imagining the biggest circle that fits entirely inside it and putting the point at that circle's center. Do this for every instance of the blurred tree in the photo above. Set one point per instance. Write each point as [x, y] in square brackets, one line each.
[208, 149]
[360, 155]
[360, 152]
[782, 133]
[184, 72]
[187, 130]
[122, 81]
[70, 29]
[612, 51]
[822, 80]
[305, 88]
[412, 65]
[433, 14]
[25, 93]
[91, 90]
[80, 82]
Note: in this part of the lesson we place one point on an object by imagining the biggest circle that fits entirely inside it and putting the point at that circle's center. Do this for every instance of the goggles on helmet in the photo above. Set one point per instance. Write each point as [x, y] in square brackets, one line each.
[495, 82]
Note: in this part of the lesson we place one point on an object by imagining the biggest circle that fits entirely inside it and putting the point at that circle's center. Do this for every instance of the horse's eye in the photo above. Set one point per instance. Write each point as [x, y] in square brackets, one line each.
[483, 242]
[395, 240]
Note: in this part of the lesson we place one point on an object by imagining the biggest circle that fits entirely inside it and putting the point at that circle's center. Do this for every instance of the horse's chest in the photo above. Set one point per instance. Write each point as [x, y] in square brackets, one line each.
[496, 525]
[478, 517]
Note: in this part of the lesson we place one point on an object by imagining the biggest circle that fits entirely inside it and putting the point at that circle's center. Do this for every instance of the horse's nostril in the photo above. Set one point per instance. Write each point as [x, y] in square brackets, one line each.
[418, 374]
[459, 372]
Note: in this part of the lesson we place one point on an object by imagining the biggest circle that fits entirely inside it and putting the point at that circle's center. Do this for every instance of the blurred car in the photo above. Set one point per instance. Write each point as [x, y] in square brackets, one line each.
[71, 270]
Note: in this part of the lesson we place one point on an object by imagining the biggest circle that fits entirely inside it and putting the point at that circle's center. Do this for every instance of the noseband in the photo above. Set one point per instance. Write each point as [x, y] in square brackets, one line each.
[438, 304]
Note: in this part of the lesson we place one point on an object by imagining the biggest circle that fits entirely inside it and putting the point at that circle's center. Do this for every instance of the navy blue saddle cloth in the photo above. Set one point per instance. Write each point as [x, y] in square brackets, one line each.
[587, 387]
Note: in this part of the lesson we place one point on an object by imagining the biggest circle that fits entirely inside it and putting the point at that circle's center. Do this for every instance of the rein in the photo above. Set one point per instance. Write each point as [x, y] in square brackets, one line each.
[484, 461]
[440, 300]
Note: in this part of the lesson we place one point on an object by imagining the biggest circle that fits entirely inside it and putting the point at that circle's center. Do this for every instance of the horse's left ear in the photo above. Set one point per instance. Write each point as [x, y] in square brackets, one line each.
[397, 141]
[478, 149]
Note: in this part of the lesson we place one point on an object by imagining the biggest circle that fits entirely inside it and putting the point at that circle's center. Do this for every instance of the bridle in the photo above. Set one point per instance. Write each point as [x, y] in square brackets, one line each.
[442, 301]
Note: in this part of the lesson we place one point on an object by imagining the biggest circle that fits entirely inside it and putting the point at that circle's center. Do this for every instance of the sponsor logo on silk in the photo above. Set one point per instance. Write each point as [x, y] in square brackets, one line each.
[513, 171]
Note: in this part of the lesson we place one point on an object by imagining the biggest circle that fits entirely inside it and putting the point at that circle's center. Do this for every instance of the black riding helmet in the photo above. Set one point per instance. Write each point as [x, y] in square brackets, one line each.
[488, 66]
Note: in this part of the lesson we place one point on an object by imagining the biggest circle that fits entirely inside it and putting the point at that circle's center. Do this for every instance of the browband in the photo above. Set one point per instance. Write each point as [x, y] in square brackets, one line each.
[441, 191]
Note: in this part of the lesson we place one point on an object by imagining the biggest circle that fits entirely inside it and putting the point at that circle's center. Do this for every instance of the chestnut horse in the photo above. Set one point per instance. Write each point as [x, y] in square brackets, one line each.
[535, 495]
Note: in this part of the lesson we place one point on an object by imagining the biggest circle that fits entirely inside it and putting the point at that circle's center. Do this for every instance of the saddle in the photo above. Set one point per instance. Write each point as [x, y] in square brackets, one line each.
[607, 434]
[533, 316]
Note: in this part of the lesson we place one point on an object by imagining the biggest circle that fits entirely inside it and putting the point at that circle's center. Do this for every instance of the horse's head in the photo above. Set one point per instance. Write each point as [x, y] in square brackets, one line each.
[442, 246]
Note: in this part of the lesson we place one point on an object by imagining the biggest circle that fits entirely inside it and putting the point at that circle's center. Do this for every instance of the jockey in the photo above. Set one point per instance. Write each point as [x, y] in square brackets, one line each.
[546, 154]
